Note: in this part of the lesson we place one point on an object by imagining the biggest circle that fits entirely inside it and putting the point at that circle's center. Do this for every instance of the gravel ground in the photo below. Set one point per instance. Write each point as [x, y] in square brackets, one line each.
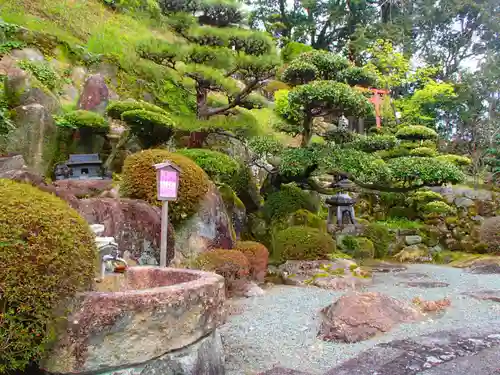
[280, 328]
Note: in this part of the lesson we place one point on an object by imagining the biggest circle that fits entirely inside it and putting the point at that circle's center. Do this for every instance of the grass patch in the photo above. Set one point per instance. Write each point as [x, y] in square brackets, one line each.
[460, 259]
[401, 224]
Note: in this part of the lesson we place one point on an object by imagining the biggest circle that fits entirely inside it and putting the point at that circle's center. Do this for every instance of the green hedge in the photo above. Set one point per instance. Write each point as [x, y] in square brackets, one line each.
[303, 243]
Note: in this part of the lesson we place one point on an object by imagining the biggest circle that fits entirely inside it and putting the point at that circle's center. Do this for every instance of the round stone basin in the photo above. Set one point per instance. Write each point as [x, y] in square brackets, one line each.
[135, 317]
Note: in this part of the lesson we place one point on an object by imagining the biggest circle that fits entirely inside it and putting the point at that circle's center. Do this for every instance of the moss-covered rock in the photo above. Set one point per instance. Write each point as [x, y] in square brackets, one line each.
[490, 234]
[258, 257]
[414, 254]
[38, 225]
[358, 247]
[303, 243]
[139, 182]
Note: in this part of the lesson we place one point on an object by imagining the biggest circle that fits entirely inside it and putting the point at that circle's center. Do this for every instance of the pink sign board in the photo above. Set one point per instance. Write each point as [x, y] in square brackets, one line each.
[168, 184]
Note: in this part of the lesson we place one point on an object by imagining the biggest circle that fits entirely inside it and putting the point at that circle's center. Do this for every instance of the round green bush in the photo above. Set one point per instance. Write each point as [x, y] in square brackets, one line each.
[83, 119]
[151, 128]
[47, 254]
[490, 234]
[308, 219]
[358, 247]
[437, 207]
[381, 238]
[220, 167]
[415, 132]
[303, 243]
[117, 108]
[289, 199]
[139, 181]
[423, 151]
[455, 159]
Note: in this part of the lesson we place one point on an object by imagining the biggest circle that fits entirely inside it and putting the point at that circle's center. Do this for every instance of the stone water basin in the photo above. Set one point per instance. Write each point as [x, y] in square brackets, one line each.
[136, 317]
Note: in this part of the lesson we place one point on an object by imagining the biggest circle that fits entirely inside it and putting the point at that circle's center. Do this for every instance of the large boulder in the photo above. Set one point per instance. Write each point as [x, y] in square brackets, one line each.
[95, 95]
[31, 54]
[34, 137]
[135, 225]
[210, 227]
[339, 274]
[22, 89]
[359, 316]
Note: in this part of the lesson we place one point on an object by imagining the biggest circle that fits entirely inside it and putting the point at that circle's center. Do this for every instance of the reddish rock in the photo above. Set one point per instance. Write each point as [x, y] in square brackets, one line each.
[209, 228]
[432, 306]
[135, 225]
[157, 311]
[95, 95]
[84, 188]
[360, 316]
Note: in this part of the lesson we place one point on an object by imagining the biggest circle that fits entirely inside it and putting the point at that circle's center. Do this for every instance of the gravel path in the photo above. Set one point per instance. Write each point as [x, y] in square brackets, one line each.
[279, 329]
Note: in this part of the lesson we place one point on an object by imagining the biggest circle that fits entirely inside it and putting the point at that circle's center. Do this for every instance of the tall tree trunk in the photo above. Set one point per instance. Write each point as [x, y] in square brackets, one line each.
[306, 131]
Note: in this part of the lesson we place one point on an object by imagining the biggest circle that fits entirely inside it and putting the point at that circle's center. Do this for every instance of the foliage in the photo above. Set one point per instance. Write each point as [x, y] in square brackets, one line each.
[219, 167]
[8, 46]
[292, 50]
[358, 247]
[307, 218]
[490, 234]
[373, 143]
[437, 207]
[83, 119]
[401, 223]
[457, 160]
[421, 197]
[151, 128]
[139, 182]
[423, 152]
[271, 87]
[288, 200]
[299, 73]
[424, 171]
[149, 6]
[42, 71]
[257, 255]
[117, 108]
[303, 243]
[233, 265]
[416, 132]
[381, 238]
[37, 225]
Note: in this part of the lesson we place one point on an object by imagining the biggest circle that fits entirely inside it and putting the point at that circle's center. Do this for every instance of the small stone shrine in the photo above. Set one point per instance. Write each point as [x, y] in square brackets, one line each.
[80, 166]
[341, 205]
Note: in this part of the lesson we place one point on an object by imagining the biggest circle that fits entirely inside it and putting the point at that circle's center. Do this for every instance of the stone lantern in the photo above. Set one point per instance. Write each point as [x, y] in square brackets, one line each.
[341, 204]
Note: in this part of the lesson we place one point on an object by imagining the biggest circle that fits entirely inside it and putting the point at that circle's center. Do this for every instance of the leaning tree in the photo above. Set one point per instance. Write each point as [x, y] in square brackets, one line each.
[327, 84]
[219, 57]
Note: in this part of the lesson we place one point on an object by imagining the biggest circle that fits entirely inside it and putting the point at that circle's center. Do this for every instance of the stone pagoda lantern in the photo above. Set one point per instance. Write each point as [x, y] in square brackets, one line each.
[341, 205]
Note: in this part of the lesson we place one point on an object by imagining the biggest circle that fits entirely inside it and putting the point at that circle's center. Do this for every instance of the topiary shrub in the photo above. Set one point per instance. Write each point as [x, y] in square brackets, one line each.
[233, 265]
[437, 207]
[258, 257]
[374, 143]
[117, 108]
[416, 132]
[83, 119]
[151, 128]
[458, 160]
[139, 181]
[490, 234]
[308, 219]
[423, 152]
[220, 167]
[289, 199]
[303, 243]
[381, 238]
[47, 254]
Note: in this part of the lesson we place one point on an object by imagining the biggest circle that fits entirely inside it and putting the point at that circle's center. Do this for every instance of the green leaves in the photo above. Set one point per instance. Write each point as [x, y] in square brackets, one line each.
[373, 143]
[117, 108]
[83, 119]
[220, 167]
[327, 97]
[424, 171]
[416, 132]
[299, 73]
[151, 128]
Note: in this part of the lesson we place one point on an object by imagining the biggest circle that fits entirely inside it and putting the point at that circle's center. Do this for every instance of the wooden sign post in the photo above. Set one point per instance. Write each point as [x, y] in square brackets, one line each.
[167, 177]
